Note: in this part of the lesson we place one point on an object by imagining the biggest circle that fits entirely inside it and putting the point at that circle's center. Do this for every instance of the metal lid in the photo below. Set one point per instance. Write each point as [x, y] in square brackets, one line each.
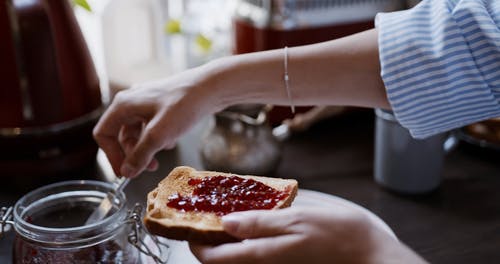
[386, 114]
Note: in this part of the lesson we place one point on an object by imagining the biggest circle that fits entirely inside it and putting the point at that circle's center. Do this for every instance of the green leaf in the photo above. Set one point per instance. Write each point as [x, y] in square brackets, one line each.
[84, 4]
[204, 43]
[173, 26]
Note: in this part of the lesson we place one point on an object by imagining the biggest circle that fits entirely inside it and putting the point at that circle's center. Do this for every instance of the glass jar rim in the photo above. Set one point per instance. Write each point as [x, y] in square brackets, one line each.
[82, 235]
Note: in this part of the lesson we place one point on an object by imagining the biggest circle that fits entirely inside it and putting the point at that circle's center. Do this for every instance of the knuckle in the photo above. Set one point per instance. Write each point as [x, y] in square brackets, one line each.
[99, 137]
[120, 96]
[298, 217]
[152, 137]
[297, 221]
[251, 229]
[251, 225]
[122, 100]
[258, 254]
[96, 133]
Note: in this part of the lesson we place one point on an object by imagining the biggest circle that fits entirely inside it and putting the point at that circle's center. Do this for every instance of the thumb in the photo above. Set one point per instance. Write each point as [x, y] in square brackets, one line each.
[258, 223]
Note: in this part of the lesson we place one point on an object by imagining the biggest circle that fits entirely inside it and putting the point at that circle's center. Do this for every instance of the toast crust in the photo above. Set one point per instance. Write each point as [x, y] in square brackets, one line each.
[197, 227]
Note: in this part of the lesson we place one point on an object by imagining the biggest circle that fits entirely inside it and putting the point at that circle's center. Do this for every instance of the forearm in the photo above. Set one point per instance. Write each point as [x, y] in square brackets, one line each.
[339, 72]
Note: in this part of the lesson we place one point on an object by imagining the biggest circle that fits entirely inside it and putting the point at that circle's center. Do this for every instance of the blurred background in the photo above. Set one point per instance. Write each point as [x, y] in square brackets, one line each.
[66, 60]
[63, 61]
[132, 40]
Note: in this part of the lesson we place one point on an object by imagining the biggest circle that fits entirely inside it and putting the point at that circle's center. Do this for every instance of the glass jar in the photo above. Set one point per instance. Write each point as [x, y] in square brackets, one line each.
[50, 226]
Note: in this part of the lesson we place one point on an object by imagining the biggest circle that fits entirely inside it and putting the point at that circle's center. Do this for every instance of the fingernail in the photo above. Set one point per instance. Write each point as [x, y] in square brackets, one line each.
[153, 166]
[127, 171]
[230, 223]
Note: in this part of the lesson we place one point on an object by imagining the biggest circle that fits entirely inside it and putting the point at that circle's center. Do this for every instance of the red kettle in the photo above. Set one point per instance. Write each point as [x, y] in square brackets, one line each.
[49, 90]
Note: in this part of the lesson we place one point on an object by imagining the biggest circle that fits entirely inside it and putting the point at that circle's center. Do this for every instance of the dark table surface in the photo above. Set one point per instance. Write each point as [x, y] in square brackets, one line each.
[457, 223]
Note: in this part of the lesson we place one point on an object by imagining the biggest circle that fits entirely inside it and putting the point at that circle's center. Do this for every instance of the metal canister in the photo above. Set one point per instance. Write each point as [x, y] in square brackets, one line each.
[405, 164]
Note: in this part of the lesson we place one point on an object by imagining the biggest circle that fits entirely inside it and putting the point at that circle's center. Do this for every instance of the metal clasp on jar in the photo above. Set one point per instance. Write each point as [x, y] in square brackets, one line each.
[160, 253]
[5, 219]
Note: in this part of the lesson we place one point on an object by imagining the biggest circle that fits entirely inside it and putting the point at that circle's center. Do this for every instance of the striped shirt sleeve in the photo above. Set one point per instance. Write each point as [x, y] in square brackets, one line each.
[440, 63]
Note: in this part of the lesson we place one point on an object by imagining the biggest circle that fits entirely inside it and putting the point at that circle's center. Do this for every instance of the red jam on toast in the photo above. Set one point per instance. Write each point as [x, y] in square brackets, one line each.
[222, 195]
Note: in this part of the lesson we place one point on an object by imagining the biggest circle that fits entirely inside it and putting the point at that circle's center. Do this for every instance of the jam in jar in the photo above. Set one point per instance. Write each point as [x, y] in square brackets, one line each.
[50, 226]
[222, 195]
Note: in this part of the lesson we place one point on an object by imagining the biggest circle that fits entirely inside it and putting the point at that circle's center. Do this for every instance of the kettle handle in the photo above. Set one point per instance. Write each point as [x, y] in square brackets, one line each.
[35, 56]
[27, 108]
[261, 118]
[281, 132]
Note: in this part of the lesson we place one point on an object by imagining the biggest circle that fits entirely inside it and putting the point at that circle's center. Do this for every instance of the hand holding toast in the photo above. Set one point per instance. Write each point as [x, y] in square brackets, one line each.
[305, 235]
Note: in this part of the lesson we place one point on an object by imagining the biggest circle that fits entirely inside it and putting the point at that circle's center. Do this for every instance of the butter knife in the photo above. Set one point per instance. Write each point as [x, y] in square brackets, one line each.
[107, 203]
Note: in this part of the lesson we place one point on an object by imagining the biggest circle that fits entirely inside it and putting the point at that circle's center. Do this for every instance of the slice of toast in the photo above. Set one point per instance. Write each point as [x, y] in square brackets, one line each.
[196, 226]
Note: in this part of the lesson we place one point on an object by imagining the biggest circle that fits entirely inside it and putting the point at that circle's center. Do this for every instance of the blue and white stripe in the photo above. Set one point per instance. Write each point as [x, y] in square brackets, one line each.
[441, 63]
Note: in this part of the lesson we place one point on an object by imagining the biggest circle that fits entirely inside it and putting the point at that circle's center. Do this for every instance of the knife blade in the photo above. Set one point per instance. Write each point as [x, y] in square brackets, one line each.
[107, 202]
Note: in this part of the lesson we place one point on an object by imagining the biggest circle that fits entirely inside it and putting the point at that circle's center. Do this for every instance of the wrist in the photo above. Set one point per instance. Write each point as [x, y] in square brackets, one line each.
[248, 78]
[224, 80]
[206, 86]
[223, 92]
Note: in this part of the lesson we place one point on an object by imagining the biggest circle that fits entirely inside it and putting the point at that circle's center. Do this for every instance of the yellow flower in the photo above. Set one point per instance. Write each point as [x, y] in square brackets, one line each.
[173, 26]
[203, 43]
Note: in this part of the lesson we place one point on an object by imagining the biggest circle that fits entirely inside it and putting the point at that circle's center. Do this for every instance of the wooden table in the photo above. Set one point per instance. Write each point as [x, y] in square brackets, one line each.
[458, 223]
